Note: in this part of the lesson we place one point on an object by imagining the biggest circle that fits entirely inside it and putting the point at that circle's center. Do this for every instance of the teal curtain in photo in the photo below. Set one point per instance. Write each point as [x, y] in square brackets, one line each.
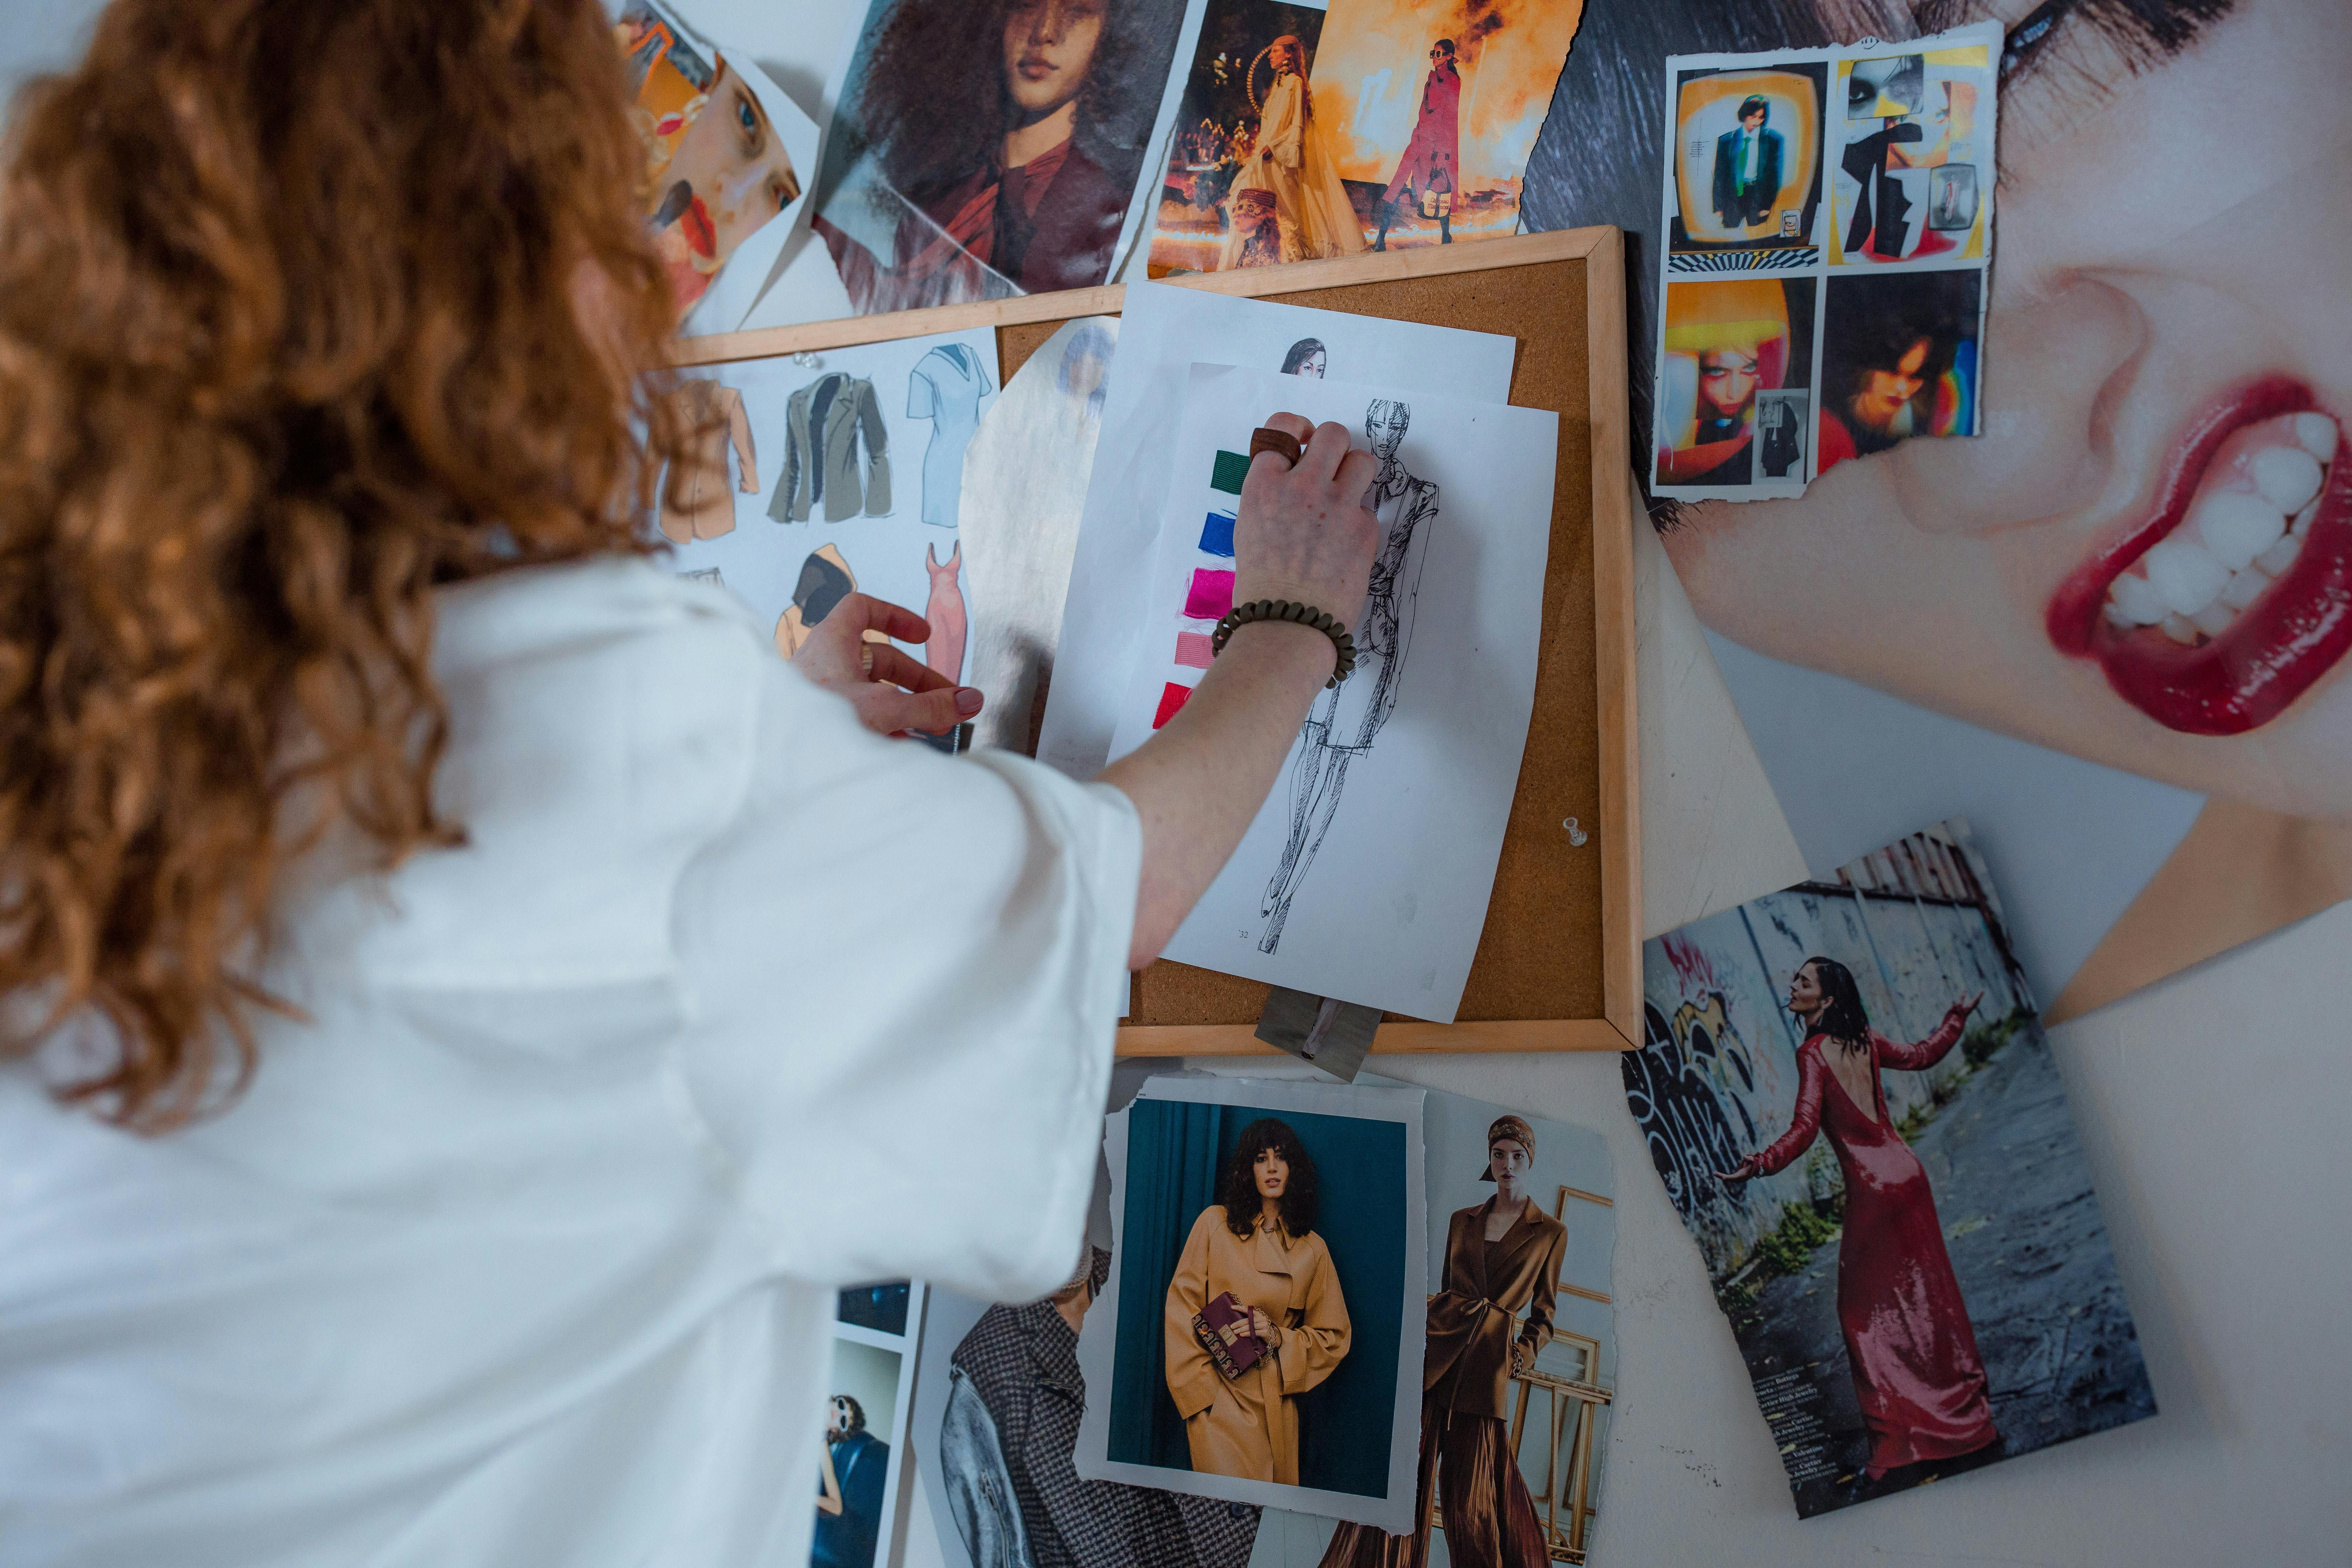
[1174, 1151]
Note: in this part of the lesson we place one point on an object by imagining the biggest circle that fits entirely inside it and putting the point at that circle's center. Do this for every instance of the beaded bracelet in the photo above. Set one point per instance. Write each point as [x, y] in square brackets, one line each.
[1286, 610]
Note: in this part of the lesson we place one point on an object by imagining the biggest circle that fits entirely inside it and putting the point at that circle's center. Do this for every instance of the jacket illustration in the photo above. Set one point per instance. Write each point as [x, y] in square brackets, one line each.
[1468, 1361]
[825, 423]
[696, 502]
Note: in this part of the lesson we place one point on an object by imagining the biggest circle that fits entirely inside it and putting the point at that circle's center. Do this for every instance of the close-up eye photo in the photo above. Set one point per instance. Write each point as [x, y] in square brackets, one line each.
[1174, 784]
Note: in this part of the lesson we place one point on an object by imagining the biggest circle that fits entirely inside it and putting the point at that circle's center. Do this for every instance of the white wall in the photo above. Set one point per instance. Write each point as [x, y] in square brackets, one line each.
[2212, 1107]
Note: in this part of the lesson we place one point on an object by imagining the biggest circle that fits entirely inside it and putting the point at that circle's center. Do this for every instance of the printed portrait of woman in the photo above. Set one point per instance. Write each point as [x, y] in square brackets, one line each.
[716, 162]
[1725, 341]
[1307, 357]
[1917, 1376]
[1287, 200]
[1255, 1275]
[1899, 360]
[992, 148]
[2145, 558]
[1487, 1325]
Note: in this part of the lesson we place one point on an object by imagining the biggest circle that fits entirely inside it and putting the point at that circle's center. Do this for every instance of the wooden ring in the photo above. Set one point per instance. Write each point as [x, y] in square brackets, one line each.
[1266, 438]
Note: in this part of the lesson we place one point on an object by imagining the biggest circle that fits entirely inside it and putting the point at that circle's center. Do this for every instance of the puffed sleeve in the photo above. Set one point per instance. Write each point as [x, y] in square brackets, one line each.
[1193, 1377]
[903, 975]
[1315, 1348]
[1804, 1118]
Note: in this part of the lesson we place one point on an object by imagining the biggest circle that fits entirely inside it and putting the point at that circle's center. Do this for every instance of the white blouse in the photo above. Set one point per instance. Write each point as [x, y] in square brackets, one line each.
[523, 1250]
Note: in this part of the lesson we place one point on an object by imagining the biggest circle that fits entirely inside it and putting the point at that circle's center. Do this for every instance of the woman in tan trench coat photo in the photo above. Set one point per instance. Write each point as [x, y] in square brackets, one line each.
[1258, 1244]
[1502, 1259]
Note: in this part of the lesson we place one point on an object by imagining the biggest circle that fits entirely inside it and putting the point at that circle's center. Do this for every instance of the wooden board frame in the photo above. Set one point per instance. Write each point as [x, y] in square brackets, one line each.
[1602, 250]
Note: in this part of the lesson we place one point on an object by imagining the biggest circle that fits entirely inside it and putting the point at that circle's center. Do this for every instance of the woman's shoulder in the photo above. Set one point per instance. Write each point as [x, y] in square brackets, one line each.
[534, 613]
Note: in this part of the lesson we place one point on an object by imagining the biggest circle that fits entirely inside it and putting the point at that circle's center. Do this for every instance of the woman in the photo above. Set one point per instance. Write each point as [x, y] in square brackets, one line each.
[1502, 1259]
[2168, 274]
[1897, 361]
[1256, 1244]
[1426, 177]
[1306, 357]
[1288, 204]
[449, 956]
[1003, 140]
[1916, 1374]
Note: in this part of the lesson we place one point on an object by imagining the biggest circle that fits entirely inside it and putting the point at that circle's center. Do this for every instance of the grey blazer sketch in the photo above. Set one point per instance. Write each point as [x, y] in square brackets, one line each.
[825, 423]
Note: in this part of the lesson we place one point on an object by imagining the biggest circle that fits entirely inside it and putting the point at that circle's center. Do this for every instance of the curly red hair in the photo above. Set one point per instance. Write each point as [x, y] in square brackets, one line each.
[305, 309]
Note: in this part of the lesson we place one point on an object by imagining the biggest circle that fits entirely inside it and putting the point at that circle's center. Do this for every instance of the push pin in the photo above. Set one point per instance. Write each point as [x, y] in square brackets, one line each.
[808, 360]
[1575, 834]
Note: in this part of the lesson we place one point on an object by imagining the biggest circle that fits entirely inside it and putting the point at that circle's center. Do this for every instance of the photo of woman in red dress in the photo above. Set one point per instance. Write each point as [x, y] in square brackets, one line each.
[1917, 1376]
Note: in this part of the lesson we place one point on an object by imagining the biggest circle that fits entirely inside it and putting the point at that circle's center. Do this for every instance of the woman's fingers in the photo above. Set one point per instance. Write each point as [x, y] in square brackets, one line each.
[895, 667]
[1325, 450]
[1357, 471]
[863, 613]
[891, 711]
[1297, 425]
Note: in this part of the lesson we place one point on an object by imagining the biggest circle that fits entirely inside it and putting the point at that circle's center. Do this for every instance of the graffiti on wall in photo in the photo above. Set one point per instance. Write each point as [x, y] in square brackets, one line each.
[1845, 1091]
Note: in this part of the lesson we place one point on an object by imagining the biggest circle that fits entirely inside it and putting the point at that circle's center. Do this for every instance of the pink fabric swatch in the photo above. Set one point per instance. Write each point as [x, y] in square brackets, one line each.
[1210, 596]
[1193, 651]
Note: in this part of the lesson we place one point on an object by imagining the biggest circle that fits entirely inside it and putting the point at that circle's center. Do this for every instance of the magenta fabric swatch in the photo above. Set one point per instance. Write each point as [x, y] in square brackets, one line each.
[1193, 651]
[1210, 596]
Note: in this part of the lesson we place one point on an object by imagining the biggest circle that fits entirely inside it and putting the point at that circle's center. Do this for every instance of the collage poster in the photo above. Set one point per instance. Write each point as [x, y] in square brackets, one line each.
[1828, 219]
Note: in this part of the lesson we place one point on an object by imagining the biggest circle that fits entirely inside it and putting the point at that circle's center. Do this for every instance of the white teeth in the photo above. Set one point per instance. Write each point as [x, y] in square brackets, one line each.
[2275, 561]
[2184, 576]
[2244, 588]
[2316, 433]
[2303, 519]
[2287, 477]
[2179, 631]
[2235, 527]
[2136, 600]
[2213, 619]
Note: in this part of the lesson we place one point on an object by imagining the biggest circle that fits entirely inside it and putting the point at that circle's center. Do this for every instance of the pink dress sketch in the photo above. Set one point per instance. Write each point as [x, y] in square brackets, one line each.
[944, 652]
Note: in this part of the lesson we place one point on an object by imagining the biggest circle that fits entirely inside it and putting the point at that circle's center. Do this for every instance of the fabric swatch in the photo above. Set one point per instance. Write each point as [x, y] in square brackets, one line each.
[1193, 650]
[1210, 595]
[1232, 468]
[1172, 697]
[1217, 536]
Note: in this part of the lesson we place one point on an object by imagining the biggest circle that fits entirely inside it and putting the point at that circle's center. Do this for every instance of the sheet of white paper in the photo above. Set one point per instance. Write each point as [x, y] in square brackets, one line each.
[1366, 875]
[922, 392]
[1163, 329]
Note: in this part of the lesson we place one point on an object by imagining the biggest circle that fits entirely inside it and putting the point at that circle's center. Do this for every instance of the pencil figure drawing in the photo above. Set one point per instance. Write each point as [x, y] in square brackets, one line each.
[1344, 721]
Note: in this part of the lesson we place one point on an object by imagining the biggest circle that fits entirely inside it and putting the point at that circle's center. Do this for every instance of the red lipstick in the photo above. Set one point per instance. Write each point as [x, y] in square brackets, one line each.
[2269, 654]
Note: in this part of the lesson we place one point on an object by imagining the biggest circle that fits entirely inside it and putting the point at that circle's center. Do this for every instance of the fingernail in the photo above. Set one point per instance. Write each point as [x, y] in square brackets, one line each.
[967, 700]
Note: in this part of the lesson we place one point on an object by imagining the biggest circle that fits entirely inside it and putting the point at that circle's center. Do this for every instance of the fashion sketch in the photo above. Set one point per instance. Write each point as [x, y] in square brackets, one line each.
[1344, 721]
[826, 423]
[824, 581]
[945, 611]
[696, 502]
[946, 389]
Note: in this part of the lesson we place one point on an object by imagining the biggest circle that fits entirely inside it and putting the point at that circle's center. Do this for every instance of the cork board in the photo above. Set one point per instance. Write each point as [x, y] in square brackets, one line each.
[1559, 963]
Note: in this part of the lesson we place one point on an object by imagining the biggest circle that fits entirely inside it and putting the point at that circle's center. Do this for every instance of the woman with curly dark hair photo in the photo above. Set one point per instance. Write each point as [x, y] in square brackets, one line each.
[1256, 1279]
[992, 148]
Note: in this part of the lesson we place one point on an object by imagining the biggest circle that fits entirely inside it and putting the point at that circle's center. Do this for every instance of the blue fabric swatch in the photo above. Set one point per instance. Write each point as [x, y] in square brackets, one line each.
[1217, 536]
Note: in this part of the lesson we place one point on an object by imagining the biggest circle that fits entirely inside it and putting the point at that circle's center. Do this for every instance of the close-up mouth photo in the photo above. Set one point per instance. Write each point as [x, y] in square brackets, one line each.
[2232, 597]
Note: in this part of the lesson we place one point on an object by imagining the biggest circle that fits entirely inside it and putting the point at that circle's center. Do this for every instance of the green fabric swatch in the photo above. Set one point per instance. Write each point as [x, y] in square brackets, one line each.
[1232, 468]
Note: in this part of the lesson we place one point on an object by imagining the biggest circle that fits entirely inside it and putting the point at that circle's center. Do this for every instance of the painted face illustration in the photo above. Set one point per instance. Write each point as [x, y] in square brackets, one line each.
[1311, 365]
[1385, 424]
[1049, 47]
[726, 176]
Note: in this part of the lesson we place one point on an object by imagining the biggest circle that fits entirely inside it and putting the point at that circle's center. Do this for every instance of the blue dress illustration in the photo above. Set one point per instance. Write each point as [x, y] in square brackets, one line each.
[946, 389]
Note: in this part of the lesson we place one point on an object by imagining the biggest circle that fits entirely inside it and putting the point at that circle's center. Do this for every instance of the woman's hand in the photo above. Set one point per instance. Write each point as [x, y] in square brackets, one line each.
[1962, 1009]
[838, 657]
[1302, 531]
[1262, 1327]
[1743, 1172]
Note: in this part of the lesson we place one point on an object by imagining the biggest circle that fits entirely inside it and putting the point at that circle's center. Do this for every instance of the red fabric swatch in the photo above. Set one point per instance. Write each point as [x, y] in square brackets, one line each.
[1171, 698]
